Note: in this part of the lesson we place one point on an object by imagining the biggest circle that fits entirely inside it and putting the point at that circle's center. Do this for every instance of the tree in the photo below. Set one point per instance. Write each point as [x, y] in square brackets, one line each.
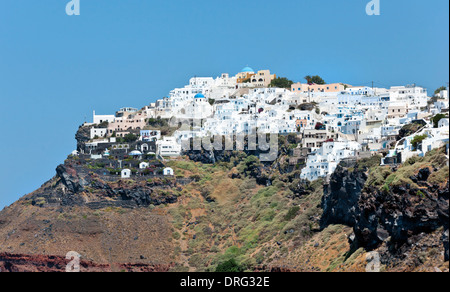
[281, 82]
[292, 139]
[130, 137]
[250, 166]
[158, 122]
[417, 140]
[436, 119]
[315, 79]
[103, 125]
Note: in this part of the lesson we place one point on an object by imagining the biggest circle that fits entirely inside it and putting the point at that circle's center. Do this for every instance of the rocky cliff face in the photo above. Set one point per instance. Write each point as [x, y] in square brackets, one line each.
[400, 213]
[75, 185]
[341, 196]
[394, 210]
[83, 135]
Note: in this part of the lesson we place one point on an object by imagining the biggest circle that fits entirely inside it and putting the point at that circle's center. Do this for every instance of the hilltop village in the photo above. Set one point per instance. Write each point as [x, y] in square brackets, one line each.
[358, 171]
[328, 122]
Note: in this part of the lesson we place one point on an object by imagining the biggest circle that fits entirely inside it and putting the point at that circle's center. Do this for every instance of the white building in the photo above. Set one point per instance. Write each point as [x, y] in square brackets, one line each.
[144, 165]
[359, 90]
[414, 96]
[435, 138]
[443, 124]
[168, 171]
[168, 147]
[443, 94]
[325, 160]
[98, 119]
[98, 133]
[198, 108]
[125, 173]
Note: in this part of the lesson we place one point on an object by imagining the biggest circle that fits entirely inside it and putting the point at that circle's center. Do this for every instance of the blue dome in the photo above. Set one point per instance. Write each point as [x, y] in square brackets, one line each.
[199, 95]
[248, 70]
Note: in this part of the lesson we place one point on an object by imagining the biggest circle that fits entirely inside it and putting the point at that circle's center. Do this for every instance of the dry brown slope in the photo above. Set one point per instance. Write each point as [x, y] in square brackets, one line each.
[110, 235]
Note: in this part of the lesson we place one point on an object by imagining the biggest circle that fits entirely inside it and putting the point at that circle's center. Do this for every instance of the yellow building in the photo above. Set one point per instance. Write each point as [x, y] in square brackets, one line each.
[245, 75]
[262, 78]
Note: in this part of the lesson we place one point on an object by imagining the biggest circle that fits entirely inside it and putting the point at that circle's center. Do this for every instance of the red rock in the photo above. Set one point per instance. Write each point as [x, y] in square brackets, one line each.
[43, 263]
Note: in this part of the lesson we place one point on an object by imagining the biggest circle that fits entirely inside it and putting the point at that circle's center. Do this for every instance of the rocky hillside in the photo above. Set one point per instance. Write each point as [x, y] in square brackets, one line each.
[402, 212]
[236, 212]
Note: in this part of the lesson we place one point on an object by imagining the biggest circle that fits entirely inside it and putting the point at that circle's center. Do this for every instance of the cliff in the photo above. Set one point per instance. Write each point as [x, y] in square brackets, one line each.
[392, 208]
[261, 216]
[78, 185]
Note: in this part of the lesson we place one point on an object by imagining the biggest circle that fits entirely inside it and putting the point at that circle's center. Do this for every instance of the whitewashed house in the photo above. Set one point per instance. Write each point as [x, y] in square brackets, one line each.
[144, 165]
[435, 138]
[168, 147]
[443, 123]
[168, 171]
[98, 133]
[98, 119]
[125, 173]
[325, 160]
[414, 97]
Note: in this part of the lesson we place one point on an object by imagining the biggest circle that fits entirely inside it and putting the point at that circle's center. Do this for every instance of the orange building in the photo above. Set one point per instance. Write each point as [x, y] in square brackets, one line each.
[301, 123]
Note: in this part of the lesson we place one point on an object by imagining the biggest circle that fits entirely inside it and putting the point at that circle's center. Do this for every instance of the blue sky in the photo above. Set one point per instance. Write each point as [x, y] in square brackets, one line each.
[55, 69]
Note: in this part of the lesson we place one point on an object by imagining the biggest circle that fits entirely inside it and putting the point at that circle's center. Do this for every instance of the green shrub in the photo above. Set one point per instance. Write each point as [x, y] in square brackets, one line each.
[292, 213]
[267, 192]
[417, 140]
[176, 235]
[229, 266]
[436, 119]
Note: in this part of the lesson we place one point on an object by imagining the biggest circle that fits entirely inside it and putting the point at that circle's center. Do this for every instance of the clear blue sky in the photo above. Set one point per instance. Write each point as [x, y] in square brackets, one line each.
[56, 69]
